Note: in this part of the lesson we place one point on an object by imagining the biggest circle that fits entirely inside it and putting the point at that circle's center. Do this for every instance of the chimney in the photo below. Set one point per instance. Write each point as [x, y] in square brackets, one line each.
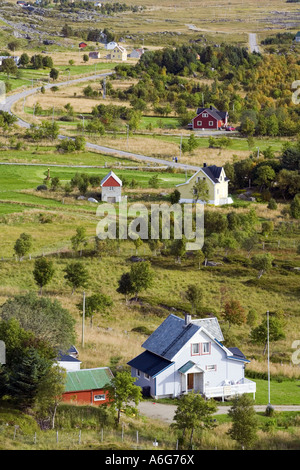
[204, 165]
[187, 319]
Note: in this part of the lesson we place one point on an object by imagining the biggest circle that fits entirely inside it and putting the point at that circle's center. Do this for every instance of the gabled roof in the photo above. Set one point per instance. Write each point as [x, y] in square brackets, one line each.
[237, 355]
[213, 112]
[88, 379]
[67, 358]
[173, 334]
[213, 172]
[150, 363]
[113, 175]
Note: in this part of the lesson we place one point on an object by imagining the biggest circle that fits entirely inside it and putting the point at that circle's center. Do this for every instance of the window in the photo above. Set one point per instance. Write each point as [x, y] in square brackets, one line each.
[195, 349]
[199, 123]
[211, 123]
[204, 114]
[205, 348]
[100, 397]
[147, 376]
[212, 368]
[138, 373]
[111, 188]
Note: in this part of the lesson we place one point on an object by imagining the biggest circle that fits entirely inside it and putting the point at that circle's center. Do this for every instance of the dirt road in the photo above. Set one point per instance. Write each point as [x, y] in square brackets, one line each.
[166, 412]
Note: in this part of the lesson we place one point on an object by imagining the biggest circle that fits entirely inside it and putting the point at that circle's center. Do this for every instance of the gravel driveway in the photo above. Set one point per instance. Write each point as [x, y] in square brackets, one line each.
[166, 412]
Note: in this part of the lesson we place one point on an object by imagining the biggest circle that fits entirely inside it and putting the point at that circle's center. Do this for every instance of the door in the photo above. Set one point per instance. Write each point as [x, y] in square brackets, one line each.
[190, 381]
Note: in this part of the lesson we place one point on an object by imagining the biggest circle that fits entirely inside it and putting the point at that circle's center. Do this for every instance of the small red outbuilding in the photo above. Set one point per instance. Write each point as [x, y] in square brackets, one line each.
[87, 386]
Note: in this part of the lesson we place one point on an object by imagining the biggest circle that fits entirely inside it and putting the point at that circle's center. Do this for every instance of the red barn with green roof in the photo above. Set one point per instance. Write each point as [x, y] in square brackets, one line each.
[87, 386]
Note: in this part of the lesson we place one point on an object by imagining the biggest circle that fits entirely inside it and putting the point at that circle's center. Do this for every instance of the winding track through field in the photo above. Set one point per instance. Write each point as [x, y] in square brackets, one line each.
[14, 98]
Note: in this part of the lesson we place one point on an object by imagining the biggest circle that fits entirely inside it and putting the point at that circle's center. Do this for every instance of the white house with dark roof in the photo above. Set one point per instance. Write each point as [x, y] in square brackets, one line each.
[184, 355]
[217, 185]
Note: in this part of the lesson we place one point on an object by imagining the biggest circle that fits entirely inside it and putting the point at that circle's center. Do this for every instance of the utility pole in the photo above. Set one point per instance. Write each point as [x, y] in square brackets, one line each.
[83, 318]
[269, 407]
[104, 88]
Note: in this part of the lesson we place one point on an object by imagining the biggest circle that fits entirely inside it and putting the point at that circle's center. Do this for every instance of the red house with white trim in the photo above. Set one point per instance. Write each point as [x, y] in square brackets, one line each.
[111, 187]
[210, 118]
[82, 45]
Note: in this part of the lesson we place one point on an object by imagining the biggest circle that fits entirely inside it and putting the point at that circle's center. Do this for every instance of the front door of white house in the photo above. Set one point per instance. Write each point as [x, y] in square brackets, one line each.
[190, 381]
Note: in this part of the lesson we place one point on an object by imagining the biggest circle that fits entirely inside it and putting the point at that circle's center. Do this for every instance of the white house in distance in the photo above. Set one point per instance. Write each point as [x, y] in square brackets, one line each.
[111, 45]
[69, 360]
[217, 184]
[111, 188]
[184, 355]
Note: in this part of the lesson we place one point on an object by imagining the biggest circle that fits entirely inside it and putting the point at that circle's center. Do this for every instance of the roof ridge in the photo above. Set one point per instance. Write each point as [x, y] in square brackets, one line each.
[177, 338]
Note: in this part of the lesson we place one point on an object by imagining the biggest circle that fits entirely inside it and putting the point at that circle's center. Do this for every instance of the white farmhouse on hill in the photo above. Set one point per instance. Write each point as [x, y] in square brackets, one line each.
[184, 355]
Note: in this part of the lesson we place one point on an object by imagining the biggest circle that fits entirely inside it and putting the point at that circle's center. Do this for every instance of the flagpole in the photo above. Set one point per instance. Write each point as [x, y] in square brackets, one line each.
[268, 342]
[83, 318]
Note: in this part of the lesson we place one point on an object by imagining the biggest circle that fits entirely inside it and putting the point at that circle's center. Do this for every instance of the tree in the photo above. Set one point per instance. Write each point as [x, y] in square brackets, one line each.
[175, 197]
[49, 395]
[76, 275]
[234, 313]
[194, 295]
[200, 191]
[259, 334]
[24, 59]
[123, 394]
[178, 248]
[193, 412]
[295, 207]
[9, 67]
[265, 176]
[43, 272]
[23, 245]
[141, 276]
[47, 320]
[55, 183]
[125, 285]
[79, 240]
[25, 377]
[244, 421]
[85, 58]
[262, 263]
[96, 303]
[54, 73]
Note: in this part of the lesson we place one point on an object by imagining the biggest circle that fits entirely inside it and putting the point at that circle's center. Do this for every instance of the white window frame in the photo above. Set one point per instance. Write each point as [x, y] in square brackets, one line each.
[138, 373]
[99, 395]
[193, 353]
[203, 352]
[211, 368]
[211, 123]
[147, 376]
[204, 115]
[199, 123]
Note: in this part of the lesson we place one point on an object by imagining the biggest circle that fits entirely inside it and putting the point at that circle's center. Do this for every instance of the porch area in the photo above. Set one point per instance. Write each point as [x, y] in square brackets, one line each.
[227, 390]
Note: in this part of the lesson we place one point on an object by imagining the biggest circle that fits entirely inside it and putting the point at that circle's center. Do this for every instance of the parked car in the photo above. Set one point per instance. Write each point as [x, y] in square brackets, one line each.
[230, 128]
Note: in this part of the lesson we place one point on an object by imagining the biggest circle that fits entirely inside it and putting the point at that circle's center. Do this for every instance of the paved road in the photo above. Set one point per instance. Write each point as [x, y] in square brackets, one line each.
[253, 43]
[166, 412]
[11, 99]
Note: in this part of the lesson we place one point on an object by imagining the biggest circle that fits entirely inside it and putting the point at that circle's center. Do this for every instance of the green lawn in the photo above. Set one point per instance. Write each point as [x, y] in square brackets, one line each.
[281, 393]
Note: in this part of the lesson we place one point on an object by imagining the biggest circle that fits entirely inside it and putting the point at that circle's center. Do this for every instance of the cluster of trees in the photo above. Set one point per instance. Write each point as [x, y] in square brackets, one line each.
[275, 178]
[108, 114]
[34, 329]
[266, 109]
[37, 61]
[48, 130]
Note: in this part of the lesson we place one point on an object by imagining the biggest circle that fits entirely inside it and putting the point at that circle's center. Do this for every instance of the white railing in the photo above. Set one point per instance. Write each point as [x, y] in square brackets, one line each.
[227, 390]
